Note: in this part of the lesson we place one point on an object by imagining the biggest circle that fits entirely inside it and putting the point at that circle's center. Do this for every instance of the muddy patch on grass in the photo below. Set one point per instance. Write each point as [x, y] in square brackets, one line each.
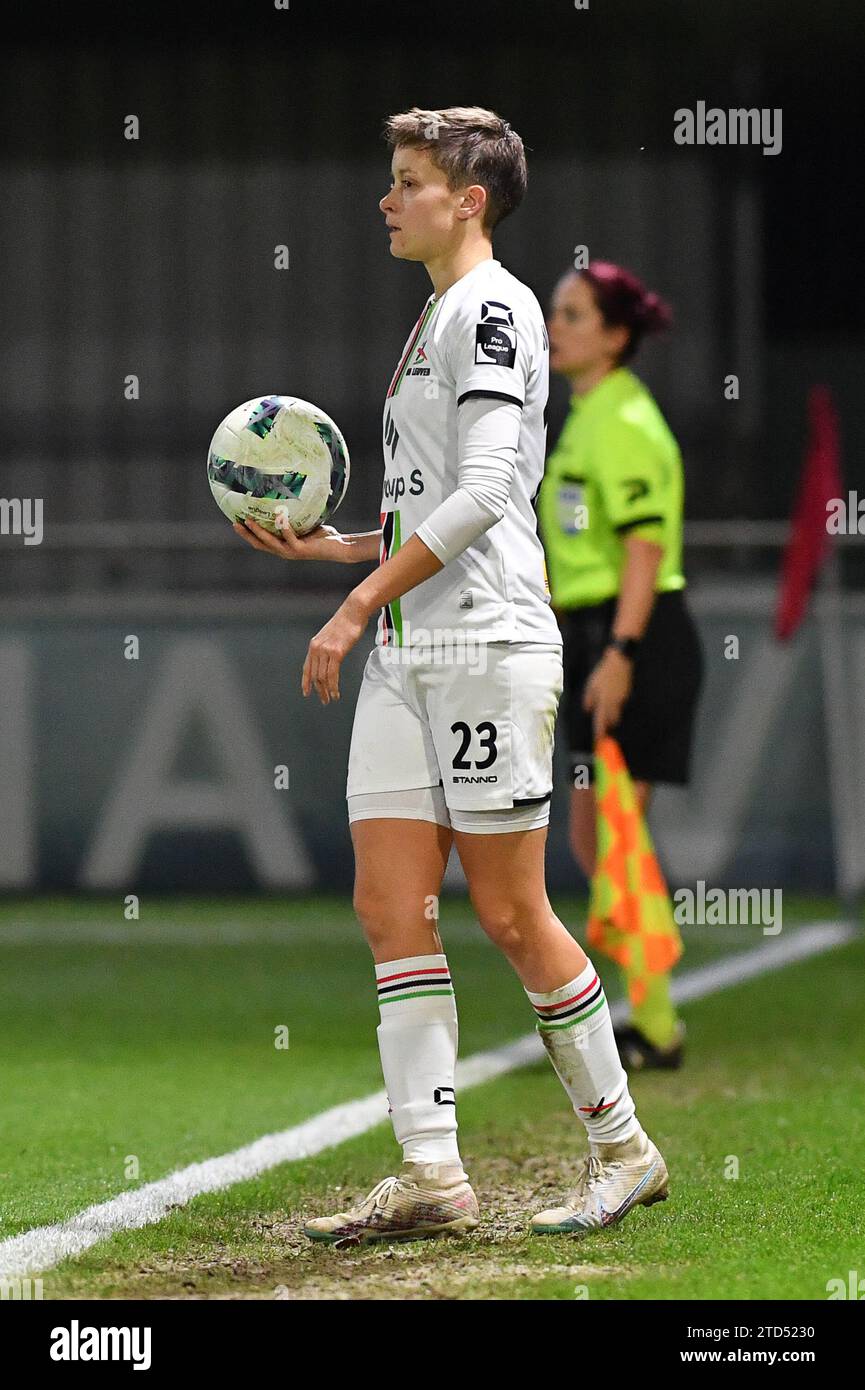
[468, 1274]
[493, 1261]
[268, 1257]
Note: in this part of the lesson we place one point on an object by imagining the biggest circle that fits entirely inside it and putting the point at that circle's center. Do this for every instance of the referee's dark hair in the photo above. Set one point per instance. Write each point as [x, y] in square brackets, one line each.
[624, 302]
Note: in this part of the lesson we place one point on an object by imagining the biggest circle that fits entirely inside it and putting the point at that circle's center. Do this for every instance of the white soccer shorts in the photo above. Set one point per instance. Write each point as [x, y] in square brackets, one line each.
[480, 727]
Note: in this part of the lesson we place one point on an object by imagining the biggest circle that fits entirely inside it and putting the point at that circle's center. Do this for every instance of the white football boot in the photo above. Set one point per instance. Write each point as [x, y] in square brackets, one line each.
[426, 1199]
[612, 1179]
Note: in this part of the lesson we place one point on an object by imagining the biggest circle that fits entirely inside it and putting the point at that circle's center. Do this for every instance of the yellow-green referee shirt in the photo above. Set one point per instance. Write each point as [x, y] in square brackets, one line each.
[615, 471]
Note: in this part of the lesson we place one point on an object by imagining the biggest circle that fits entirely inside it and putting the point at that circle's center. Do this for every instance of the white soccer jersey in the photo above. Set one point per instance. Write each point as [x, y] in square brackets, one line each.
[484, 336]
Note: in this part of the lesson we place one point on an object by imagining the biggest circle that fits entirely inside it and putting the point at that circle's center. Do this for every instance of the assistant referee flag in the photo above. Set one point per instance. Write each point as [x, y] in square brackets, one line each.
[630, 912]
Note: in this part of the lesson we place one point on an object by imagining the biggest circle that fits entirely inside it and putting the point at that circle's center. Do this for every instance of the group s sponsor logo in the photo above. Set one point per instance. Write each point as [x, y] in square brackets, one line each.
[395, 488]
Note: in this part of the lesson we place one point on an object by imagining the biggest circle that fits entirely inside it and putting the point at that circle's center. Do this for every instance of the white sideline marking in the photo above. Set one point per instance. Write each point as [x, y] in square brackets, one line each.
[774, 954]
[42, 1248]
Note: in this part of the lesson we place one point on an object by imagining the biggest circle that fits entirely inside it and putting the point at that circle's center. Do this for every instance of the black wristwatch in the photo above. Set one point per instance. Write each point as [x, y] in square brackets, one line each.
[628, 646]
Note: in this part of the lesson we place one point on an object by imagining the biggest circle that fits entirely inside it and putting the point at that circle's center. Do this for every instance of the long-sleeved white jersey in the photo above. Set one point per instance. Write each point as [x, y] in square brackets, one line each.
[464, 444]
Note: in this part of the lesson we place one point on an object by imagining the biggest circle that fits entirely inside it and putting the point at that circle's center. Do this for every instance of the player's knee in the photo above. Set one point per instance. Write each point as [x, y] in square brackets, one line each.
[370, 910]
[506, 923]
[379, 916]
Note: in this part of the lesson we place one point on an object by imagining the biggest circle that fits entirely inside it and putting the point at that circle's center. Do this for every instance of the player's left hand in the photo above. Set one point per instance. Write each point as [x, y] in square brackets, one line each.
[328, 648]
[607, 690]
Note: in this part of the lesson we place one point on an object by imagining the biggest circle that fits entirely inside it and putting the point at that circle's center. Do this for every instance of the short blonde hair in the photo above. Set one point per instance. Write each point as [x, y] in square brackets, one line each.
[470, 145]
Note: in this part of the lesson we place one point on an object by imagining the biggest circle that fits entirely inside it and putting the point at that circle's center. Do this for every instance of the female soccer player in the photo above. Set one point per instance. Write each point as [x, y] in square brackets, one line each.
[610, 510]
[453, 731]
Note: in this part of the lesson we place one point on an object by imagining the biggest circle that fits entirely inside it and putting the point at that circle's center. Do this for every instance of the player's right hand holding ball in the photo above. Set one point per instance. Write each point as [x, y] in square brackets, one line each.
[324, 543]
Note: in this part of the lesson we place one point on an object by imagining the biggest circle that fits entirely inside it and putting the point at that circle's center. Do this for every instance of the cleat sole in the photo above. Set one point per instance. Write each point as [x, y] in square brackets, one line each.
[462, 1226]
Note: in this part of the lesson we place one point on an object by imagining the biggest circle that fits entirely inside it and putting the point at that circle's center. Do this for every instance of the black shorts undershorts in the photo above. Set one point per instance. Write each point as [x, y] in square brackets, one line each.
[656, 727]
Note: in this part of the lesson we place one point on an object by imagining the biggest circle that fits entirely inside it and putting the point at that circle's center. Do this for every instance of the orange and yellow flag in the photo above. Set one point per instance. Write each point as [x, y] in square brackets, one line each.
[630, 912]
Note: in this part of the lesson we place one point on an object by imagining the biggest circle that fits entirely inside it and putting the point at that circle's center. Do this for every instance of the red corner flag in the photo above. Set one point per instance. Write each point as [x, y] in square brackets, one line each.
[809, 538]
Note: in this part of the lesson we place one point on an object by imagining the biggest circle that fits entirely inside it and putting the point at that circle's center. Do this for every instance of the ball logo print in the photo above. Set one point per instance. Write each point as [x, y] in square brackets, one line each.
[278, 459]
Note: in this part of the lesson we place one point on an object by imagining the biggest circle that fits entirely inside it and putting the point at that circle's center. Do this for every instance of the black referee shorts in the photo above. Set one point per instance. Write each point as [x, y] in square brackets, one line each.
[657, 723]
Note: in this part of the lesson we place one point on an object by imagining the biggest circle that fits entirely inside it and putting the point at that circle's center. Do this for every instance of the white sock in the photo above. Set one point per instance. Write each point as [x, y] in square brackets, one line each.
[417, 1039]
[576, 1029]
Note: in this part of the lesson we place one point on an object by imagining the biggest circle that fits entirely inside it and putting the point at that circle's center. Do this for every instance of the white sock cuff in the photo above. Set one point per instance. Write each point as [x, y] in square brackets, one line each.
[579, 986]
[415, 982]
[390, 967]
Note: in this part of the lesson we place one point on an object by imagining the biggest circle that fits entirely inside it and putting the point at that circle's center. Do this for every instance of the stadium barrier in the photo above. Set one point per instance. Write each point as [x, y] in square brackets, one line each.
[163, 742]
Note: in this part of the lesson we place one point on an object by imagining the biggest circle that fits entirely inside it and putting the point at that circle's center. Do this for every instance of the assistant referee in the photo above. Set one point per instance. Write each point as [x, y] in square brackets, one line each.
[610, 514]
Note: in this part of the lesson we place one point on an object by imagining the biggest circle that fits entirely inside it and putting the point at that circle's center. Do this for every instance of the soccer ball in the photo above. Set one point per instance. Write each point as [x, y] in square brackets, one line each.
[278, 454]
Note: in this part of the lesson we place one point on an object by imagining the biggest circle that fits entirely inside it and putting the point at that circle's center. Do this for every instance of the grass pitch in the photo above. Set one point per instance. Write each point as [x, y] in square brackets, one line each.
[132, 1049]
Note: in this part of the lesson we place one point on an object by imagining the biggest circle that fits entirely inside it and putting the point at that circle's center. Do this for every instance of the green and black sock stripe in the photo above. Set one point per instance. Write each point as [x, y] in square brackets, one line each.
[414, 984]
[575, 1009]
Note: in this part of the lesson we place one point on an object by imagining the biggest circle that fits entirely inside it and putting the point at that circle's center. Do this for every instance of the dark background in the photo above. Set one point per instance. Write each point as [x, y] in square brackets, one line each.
[262, 127]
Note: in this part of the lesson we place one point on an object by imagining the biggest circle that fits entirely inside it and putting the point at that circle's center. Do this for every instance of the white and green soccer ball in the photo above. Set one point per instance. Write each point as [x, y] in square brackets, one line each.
[278, 454]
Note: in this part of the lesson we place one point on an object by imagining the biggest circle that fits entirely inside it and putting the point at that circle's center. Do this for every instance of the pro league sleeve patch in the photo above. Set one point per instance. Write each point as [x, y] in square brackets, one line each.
[495, 336]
